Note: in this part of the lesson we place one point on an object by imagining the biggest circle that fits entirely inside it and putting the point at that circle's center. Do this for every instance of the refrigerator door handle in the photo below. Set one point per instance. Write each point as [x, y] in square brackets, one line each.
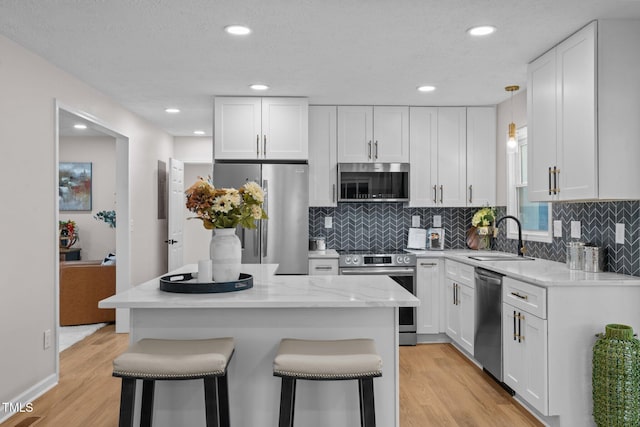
[265, 226]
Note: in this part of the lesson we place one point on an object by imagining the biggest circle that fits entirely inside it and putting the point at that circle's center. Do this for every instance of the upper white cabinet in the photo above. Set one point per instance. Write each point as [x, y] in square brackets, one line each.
[439, 156]
[481, 156]
[322, 155]
[373, 134]
[261, 128]
[581, 116]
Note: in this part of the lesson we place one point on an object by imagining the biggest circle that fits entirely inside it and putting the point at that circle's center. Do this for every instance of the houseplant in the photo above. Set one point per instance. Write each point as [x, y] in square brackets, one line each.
[108, 217]
[483, 221]
[222, 210]
[68, 233]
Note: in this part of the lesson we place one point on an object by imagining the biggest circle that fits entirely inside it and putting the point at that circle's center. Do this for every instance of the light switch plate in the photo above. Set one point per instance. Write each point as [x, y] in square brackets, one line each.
[437, 221]
[575, 229]
[415, 221]
[620, 233]
[328, 222]
[557, 228]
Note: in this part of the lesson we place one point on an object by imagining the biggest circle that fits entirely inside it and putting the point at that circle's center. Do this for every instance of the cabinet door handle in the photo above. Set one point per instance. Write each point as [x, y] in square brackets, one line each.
[427, 264]
[264, 145]
[556, 188]
[323, 267]
[550, 173]
[453, 288]
[471, 194]
[457, 294]
[376, 157]
[517, 295]
[334, 193]
[369, 149]
[258, 145]
[520, 336]
[435, 194]
[515, 335]
[441, 193]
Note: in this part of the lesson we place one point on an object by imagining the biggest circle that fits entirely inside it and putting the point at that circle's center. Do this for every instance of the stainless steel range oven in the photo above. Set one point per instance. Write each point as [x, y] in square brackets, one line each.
[399, 266]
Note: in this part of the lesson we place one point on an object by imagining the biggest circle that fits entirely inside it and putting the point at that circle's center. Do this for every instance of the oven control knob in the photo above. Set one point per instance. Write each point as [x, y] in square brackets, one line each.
[407, 259]
[356, 260]
[347, 260]
[399, 260]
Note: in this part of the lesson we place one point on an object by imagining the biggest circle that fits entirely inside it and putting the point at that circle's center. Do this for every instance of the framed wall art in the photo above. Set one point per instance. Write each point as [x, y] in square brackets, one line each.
[74, 186]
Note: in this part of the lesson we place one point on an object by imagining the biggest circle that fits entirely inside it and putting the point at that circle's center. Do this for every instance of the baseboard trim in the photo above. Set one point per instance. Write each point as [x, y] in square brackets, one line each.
[29, 396]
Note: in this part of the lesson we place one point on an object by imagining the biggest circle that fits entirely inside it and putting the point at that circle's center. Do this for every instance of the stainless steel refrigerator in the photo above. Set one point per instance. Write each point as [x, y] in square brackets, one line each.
[282, 239]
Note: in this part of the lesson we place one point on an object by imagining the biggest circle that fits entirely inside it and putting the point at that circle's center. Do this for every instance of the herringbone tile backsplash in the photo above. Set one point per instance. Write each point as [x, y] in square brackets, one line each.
[385, 226]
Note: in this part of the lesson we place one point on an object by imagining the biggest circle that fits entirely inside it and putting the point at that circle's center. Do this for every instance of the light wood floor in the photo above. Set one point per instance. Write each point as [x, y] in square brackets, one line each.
[438, 387]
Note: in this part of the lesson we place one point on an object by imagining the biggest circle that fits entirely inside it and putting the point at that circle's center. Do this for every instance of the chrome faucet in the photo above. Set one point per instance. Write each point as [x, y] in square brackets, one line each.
[521, 249]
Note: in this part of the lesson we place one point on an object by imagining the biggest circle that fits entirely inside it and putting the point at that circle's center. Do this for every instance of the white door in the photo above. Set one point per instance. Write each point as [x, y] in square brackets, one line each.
[355, 134]
[238, 128]
[466, 301]
[423, 138]
[323, 164]
[285, 131]
[452, 156]
[513, 351]
[481, 156]
[391, 134]
[428, 292]
[452, 316]
[176, 213]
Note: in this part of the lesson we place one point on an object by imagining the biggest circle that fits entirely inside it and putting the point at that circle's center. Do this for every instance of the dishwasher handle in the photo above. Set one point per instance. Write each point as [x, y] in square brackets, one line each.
[488, 277]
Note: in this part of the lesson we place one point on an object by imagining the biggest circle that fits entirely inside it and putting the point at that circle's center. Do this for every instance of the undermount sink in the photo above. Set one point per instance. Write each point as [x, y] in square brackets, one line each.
[500, 257]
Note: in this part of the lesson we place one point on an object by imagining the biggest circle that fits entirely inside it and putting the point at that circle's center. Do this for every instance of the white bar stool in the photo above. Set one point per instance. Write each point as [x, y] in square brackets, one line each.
[150, 360]
[354, 359]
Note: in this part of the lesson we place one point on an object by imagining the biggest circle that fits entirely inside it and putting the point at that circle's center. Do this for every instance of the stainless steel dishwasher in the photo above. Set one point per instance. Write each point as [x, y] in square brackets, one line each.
[488, 327]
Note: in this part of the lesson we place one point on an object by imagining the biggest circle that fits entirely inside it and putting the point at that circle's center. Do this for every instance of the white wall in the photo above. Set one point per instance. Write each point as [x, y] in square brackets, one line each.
[97, 239]
[504, 118]
[29, 86]
[197, 153]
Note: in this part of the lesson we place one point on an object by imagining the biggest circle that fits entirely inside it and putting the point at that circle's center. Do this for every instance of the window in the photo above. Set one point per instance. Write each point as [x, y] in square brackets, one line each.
[535, 217]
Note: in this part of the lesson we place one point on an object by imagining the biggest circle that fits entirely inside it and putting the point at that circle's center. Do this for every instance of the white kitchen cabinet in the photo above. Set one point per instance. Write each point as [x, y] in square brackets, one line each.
[323, 267]
[581, 127]
[524, 342]
[428, 286]
[373, 134]
[438, 139]
[481, 156]
[261, 128]
[323, 166]
[460, 304]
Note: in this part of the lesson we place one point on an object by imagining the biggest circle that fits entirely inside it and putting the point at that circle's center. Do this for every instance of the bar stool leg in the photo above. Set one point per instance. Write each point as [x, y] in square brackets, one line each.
[367, 403]
[127, 400]
[223, 399]
[287, 402]
[211, 401]
[146, 413]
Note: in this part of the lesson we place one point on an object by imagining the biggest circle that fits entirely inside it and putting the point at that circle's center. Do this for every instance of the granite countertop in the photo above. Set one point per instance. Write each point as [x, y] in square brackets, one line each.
[539, 271]
[271, 291]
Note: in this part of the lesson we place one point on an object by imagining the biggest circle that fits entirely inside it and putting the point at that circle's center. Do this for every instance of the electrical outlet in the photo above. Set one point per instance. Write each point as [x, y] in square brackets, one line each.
[576, 229]
[328, 222]
[46, 339]
[620, 234]
[557, 228]
[437, 221]
[415, 221]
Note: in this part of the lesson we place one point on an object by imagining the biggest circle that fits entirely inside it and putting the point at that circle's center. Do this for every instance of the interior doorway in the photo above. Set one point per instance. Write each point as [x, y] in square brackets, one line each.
[66, 118]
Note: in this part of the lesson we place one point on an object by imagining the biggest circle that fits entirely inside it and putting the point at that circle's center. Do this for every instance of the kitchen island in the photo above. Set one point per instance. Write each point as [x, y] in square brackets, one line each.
[311, 307]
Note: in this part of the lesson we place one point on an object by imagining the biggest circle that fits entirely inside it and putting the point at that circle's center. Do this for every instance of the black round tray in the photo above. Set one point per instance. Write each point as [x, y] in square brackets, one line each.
[184, 284]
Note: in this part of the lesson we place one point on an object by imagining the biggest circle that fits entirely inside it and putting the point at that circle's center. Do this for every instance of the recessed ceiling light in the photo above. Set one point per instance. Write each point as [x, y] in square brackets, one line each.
[198, 132]
[481, 30]
[259, 86]
[237, 30]
[172, 110]
[426, 88]
[80, 126]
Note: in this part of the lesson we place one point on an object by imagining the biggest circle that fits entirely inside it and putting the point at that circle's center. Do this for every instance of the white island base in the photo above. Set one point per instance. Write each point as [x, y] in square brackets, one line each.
[306, 307]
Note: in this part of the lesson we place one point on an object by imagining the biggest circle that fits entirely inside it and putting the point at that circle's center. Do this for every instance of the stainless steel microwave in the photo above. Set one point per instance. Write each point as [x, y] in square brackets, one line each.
[373, 182]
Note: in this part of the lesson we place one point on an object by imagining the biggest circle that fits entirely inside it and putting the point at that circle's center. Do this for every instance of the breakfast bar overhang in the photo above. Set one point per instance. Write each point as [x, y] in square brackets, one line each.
[308, 307]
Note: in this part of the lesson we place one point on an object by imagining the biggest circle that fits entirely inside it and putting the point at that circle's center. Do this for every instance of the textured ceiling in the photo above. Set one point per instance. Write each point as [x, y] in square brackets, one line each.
[152, 54]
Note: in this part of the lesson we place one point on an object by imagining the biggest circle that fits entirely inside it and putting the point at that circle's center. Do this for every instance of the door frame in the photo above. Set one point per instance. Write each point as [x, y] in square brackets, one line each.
[123, 209]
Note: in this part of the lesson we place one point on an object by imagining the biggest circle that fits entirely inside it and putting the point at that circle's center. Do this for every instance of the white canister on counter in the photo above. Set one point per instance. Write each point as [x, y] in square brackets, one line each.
[575, 255]
[593, 259]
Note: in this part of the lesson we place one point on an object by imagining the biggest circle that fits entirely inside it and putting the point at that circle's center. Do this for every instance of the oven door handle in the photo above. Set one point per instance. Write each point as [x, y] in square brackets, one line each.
[377, 271]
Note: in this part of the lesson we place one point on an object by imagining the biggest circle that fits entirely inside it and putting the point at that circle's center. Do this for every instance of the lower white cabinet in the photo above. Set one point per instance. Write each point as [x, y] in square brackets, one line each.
[323, 267]
[428, 273]
[524, 343]
[460, 304]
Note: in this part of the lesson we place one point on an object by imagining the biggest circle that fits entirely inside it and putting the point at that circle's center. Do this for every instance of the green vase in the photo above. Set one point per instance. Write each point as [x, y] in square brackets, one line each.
[616, 378]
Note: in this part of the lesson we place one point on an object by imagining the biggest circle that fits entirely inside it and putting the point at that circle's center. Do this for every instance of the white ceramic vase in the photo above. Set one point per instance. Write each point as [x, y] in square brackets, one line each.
[226, 255]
